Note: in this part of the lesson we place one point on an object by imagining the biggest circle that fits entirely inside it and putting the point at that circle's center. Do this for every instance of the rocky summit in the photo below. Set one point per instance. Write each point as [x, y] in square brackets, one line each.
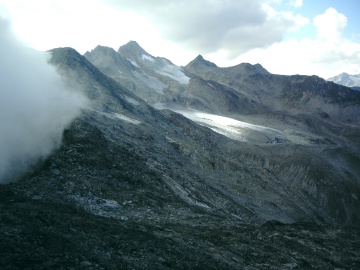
[194, 167]
[346, 79]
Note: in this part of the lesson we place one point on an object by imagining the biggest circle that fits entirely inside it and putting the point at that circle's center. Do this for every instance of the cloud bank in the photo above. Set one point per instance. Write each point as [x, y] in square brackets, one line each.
[286, 37]
[326, 55]
[35, 106]
[208, 26]
[330, 25]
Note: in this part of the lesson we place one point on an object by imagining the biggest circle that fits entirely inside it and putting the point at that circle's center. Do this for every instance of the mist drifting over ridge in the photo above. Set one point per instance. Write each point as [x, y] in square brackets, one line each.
[35, 105]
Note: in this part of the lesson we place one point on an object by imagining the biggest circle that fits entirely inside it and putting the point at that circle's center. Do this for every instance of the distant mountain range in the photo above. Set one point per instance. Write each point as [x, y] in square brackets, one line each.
[238, 90]
[193, 167]
[348, 80]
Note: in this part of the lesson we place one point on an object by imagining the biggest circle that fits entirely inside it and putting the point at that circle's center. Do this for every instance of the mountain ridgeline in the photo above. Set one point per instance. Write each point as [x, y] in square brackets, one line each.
[346, 79]
[241, 89]
[194, 167]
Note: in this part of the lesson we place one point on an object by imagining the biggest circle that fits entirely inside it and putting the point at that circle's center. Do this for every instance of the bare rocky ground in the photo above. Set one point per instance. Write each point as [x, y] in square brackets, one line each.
[110, 211]
[132, 187]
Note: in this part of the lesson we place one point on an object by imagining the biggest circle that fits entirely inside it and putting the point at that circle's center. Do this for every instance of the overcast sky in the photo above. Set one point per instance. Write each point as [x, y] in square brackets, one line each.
[320, 37]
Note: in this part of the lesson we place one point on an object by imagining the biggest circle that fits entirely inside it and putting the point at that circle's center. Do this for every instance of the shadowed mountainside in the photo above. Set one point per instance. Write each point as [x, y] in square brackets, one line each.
[137, 187]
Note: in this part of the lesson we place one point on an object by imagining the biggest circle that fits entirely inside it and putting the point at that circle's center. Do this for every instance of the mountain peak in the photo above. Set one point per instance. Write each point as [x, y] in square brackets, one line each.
[66, 55]
[100, 49]
[132, 48]
[346, 79]
[200, 61]
[246, 68]
[199, 58]
[107, 58]
[103, 48]
[132, 44]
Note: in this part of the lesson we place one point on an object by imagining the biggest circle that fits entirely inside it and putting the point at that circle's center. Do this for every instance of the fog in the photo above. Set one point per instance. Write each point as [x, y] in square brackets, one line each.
[35, 105]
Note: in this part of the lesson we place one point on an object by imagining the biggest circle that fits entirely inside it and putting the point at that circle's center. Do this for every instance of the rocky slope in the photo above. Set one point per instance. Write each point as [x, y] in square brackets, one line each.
[290, 95]
[137, 187]
[234, 91]
[154, 79]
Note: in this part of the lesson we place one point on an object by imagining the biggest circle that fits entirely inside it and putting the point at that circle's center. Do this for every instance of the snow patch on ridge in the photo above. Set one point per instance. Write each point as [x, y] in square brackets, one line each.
[174, 72]
[132, 101]
[120, 117]
[229, 127]
[147, 57]
[127, 119]
[133, 62]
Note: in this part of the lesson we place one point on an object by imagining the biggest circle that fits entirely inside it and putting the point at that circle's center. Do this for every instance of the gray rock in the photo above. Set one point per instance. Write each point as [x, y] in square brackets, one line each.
[198, 199]
[85, 264]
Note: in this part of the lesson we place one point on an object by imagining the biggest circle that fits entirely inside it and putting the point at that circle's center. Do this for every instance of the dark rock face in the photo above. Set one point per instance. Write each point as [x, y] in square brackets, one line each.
[133, 187]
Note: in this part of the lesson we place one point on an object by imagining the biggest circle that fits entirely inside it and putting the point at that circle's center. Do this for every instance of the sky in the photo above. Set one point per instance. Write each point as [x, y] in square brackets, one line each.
[309, 37]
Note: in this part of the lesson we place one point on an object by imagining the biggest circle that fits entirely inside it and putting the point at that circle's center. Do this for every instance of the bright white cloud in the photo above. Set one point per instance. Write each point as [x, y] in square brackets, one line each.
[289, 57]
[80, 24]
[224, 31]
[208, 26]
[330, 25]
[327, 55]
[162, 27]
[297, 3]
[297, 21]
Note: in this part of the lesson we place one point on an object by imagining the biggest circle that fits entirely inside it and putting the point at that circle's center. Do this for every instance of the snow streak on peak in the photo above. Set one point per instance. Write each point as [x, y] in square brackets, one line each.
[127, 119]
[119, 116]
[133, 62]
[174, 72]
[147, 57]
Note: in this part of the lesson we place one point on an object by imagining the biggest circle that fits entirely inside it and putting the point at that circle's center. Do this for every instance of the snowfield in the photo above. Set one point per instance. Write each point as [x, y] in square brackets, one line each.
[246, 132]
[147, 57]
[231, 128]
[120, 117]
[174, 72]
